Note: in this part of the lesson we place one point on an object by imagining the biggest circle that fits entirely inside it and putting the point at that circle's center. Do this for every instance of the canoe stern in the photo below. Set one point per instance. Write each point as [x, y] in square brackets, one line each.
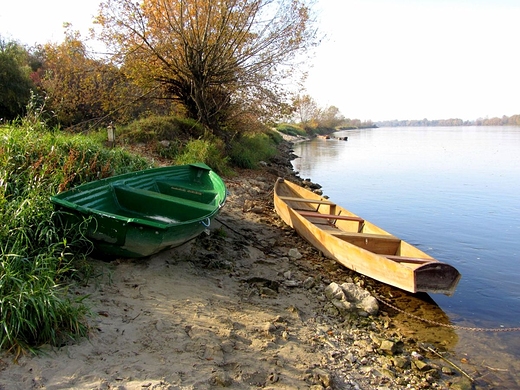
[436, 277]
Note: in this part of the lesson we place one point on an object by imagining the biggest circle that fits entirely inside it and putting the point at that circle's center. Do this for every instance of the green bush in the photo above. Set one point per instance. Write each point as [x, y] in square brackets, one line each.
[159, 128]
[291, 130]
[206, 151]
[250, 149]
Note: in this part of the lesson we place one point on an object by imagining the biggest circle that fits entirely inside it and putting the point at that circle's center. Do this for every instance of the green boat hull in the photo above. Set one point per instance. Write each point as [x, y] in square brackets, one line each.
[142, 213]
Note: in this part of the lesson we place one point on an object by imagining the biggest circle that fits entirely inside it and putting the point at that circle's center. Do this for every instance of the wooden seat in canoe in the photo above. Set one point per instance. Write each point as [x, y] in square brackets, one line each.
[383, 244]
[413, 260]
[303, 200]
[315, 214]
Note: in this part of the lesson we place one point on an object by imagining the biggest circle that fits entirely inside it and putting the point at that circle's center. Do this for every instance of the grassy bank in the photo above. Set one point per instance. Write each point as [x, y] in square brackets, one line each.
[40, 261]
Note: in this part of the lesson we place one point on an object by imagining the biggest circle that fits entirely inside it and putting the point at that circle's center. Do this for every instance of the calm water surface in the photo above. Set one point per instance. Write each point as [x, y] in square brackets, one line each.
[454, 192]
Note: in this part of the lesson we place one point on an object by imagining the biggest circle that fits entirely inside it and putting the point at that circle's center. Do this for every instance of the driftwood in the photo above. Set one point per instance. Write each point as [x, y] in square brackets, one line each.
[451, 363]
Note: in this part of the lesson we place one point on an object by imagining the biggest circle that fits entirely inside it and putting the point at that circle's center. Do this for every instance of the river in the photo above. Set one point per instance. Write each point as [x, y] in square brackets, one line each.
[454, 192]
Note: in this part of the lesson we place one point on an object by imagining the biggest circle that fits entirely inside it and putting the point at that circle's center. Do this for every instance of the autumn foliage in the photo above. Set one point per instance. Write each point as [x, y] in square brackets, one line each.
[218, 59]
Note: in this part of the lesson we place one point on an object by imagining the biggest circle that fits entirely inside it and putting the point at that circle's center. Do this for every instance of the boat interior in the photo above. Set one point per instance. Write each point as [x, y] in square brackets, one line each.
[152, 204]
[156, 201]
[351, 228]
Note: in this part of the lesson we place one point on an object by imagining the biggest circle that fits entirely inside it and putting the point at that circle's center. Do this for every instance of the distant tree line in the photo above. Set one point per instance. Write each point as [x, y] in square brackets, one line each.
[307, 114]
[504, 121]
[357, 124]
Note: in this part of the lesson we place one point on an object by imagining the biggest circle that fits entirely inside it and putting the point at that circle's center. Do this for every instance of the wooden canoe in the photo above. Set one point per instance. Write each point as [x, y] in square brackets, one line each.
[141, 213]
[360, 245]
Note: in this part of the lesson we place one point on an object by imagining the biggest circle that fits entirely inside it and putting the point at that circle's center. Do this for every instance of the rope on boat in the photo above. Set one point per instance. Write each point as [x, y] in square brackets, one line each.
[472, 329]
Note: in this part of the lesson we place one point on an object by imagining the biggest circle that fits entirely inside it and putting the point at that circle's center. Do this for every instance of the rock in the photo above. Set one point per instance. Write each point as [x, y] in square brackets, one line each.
[401, 362]
[462, 384]
[295, 254]
[343, 306]
[221, 379]
[334, 291]
[269, 328]
[160, 326]
[257, 210]
[291, 283]
[349, 297]
[388, 347]
[351, 357]
[309, 283]
[417, 356]
[323, 376]
[447, 370]
[387, 373]
[248, 205]
[421, 365]
[266, 291]
[165, 143]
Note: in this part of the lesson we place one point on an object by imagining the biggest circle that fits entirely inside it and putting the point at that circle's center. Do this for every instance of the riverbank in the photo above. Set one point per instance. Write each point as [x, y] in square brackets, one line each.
[244, 307]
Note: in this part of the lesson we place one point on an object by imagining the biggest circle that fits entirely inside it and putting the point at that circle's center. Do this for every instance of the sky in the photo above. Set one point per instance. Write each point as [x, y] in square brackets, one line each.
[378, 60]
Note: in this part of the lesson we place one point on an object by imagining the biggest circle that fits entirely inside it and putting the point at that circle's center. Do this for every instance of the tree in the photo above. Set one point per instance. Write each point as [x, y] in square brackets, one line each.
[218, 59]
[81, 90]
[330, 118]
[15, 81]
[306, 111]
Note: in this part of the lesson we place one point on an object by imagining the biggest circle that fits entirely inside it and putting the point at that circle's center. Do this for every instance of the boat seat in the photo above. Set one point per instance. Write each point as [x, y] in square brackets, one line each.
[381, 244]
[413, 260]
[315, 214]
[303, 200]
[185, 190]
[145, 196]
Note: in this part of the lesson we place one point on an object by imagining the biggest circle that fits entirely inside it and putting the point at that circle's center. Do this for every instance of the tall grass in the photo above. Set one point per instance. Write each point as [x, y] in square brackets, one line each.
[253, 148]
[38, 259]
[206, 151]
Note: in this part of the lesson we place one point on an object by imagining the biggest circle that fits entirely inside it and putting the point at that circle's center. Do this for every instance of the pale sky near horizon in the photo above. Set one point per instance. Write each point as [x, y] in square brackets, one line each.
[380, 60]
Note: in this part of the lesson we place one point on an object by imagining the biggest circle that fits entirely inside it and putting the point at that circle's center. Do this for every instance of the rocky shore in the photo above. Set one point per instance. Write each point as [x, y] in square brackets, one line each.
[251, 305]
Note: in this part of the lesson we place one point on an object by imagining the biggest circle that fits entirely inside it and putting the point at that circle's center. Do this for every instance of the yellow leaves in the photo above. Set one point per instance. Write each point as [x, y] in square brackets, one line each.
[212, 56]
[78, 88]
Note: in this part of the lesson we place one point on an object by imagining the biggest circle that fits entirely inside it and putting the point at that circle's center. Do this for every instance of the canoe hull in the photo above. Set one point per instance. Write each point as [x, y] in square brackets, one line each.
[361, 246]
[142, 213]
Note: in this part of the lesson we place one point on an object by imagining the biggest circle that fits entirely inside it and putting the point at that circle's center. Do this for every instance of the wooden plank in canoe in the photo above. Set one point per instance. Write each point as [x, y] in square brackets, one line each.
[381, 244]
[414, 260]
[315, 214]
[303, 200]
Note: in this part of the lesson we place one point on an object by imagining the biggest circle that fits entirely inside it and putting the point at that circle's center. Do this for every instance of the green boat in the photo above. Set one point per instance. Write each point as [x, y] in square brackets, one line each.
[141, 213]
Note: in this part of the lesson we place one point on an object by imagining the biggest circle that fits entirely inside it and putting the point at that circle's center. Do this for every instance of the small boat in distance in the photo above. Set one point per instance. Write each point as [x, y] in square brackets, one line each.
[141, 213]
[360, 245]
